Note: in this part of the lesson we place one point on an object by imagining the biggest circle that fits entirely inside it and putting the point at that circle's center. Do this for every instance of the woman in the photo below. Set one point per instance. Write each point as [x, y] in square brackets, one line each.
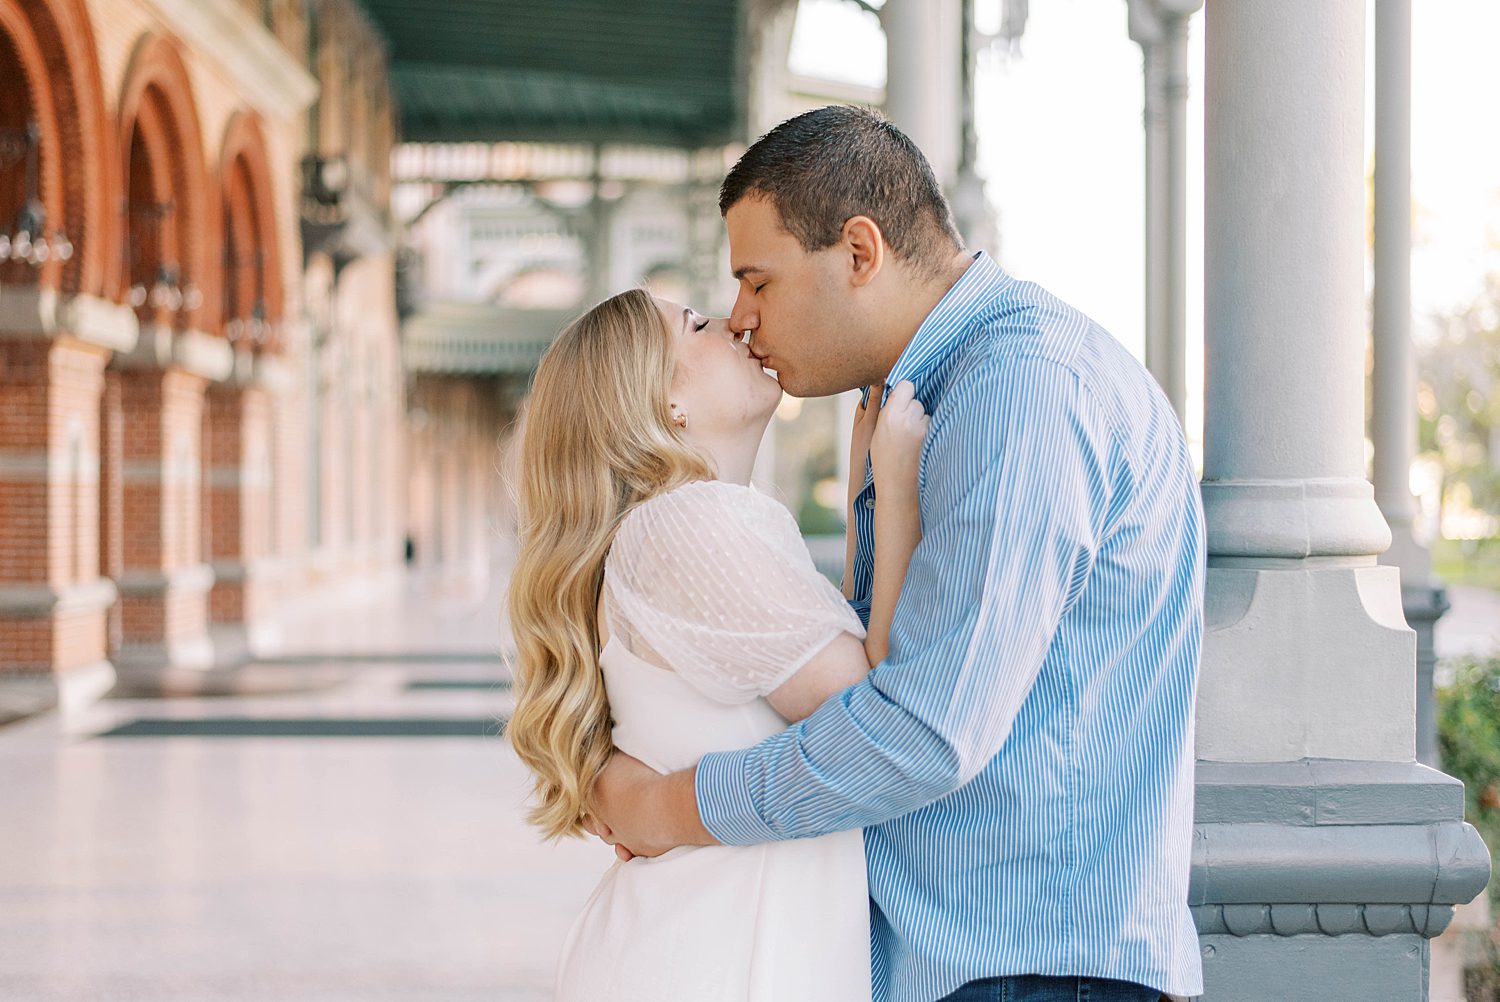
[663, 606]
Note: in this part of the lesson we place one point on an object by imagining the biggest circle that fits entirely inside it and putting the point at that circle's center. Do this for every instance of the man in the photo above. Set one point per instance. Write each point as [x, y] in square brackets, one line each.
[1022, 762]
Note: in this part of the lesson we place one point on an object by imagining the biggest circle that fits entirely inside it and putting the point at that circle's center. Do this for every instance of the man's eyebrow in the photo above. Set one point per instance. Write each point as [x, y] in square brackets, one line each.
[741, 272]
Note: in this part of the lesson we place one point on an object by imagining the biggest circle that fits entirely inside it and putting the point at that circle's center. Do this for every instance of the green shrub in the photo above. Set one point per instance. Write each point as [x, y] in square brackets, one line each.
[1469, 737]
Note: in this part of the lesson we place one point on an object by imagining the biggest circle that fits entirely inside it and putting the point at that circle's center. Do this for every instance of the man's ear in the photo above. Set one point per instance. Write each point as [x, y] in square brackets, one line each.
[865, 246]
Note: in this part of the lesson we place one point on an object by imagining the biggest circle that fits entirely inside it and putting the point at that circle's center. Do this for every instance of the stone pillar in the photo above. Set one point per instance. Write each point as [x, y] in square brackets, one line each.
[53, 602]
[924, 78]
[598, 234]
[54, 598]
[1325, 856]
[972, 212]
[164, 582]
[112, 497]
[1144, 30]
[1291, 517]
[769, 39]
[237, 536]
[1394, 384]
[1160, 27]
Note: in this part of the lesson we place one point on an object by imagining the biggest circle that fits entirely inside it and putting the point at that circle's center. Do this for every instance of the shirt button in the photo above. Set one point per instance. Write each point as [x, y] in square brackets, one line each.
[870, 503]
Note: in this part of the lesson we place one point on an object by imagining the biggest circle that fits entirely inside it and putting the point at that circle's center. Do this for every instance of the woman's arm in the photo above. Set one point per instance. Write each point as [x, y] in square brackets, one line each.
[859, 451]
[895, 452]
[896, 434]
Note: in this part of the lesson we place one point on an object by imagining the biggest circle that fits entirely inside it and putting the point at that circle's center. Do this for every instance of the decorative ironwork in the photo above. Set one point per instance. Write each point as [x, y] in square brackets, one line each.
[256, 326]
[167, 291]
[28, 241]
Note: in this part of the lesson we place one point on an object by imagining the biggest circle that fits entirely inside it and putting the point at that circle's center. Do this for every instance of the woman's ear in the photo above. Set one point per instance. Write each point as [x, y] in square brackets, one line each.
[865, 246]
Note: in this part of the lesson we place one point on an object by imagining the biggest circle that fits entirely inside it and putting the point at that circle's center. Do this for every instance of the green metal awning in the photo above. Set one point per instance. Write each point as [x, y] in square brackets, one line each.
[655, 71]
[467, 339]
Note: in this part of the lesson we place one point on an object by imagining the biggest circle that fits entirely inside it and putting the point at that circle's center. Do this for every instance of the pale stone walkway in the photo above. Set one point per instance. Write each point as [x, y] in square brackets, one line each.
[358, 841]
[1471, 625]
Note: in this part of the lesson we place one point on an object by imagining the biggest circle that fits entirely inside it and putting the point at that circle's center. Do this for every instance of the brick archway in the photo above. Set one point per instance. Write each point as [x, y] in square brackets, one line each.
[253, 266]
[159, 131]
[57, 77]
[239, 430]
[53, 599]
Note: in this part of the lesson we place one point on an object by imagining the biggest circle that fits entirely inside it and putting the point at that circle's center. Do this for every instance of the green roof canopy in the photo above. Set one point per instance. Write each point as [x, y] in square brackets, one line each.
[656, 71]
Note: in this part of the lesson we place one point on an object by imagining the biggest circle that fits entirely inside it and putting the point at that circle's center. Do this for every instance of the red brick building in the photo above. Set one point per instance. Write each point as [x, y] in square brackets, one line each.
[200, 384]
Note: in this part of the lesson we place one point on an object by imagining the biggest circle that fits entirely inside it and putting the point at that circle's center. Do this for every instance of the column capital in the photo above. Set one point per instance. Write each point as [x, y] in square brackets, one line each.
[1146, 19]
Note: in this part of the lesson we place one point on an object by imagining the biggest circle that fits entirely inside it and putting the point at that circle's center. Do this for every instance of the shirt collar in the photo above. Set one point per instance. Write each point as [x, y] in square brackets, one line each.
[948, 322]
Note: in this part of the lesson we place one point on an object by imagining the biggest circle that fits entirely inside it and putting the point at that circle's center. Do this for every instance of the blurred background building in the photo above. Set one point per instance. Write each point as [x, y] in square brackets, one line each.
[274, 275]
[202, 381]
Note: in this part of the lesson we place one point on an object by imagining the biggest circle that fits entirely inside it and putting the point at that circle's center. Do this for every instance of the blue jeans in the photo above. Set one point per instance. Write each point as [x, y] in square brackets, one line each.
[1035, 988]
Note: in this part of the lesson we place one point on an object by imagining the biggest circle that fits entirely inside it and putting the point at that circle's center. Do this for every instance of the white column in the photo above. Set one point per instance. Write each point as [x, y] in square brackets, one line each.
[769, 35]
[1158, 347]
[1395, 421]
[924, 78]
[1175, 94]
[1160, 27]
[972, 212]
[1307, 653]
[1394, 376]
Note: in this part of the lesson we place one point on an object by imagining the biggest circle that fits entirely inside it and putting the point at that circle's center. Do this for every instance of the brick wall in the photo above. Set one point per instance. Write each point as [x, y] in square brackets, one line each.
[141, 472]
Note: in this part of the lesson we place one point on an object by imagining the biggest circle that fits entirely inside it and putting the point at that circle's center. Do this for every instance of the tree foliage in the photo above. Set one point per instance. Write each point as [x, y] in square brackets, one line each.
[1458, 398]
[1469, 740]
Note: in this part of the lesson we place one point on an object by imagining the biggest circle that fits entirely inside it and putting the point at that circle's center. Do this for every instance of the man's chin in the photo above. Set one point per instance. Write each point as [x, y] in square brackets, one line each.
[790, 384]
[795, 387]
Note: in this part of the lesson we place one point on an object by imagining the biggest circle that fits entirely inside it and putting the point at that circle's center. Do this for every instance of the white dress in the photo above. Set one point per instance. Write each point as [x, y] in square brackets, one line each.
[713, 581]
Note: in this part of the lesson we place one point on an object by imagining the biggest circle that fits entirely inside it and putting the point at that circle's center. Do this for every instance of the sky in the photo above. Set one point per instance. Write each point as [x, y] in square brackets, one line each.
[1061, 149]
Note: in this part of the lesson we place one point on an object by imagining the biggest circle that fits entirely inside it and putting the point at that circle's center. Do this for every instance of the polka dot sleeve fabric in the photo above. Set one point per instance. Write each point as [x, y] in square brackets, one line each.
[714, 582]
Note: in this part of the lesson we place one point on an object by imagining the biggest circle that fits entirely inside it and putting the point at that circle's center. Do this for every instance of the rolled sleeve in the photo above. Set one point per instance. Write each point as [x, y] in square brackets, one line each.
[724, 802]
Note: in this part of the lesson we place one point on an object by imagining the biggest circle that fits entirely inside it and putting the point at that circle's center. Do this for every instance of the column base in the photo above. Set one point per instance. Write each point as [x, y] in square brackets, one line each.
[242, 625]
[1293, 519]
[52, 641]
[1424, 605]
[68, 692]
[1320, 648]
[176, 603]
[1324, 879]
[1258, 968]
[194, 653]
[238, 644]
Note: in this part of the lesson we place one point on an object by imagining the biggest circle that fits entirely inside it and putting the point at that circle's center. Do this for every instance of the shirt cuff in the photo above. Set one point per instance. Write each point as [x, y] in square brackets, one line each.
[724, 803]
[861, 607]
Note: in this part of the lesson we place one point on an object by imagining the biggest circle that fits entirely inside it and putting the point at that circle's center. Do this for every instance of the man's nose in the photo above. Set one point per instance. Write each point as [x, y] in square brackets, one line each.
[743, 317]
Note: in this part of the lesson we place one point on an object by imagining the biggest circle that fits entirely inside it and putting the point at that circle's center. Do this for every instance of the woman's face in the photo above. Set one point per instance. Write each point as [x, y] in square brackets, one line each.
[718, 385]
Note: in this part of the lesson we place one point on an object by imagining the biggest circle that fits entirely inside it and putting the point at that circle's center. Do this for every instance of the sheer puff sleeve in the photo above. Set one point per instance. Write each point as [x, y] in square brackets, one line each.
[713, 581]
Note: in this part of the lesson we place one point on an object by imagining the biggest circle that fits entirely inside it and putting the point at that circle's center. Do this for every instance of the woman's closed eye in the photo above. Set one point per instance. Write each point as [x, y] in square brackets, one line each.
[702, 323]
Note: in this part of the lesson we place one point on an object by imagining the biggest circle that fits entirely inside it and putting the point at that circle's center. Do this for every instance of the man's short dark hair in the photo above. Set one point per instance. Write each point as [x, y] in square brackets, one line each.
[825, 166]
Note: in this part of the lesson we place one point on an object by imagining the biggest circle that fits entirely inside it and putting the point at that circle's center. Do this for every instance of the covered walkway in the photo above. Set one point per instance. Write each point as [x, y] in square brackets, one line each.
[347, 829]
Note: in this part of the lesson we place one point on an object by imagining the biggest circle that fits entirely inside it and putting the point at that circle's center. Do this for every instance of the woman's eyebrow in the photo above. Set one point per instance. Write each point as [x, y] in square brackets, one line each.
[687, 316]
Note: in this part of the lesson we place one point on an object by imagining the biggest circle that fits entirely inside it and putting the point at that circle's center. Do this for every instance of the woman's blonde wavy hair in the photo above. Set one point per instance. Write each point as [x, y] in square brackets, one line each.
[597, 441]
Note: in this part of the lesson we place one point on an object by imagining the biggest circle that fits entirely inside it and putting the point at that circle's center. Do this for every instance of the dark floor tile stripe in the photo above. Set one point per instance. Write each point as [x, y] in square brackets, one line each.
[309, 727]
[385, 657]
[458, 684]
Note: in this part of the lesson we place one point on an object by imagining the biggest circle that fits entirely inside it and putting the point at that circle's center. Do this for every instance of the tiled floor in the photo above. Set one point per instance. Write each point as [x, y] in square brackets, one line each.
[351, 830]
[359, 840]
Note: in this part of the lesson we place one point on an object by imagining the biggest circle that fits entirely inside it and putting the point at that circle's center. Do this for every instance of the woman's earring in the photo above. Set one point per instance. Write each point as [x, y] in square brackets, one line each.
[679, 419]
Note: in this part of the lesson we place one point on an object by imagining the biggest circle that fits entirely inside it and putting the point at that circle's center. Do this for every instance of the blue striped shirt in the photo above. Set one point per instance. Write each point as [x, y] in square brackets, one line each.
[1022, 762]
